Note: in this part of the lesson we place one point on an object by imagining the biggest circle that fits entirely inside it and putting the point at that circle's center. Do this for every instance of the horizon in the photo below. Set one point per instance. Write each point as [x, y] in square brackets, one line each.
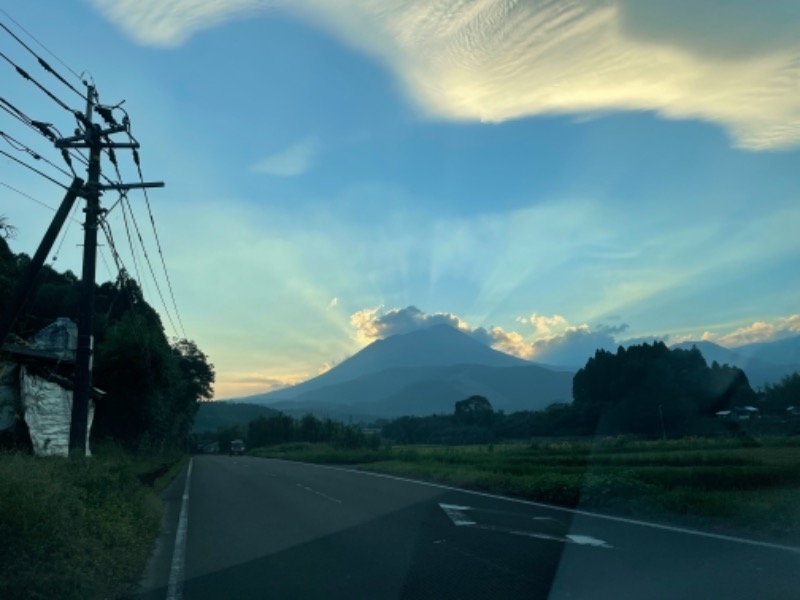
[546, 365]
[336, 174]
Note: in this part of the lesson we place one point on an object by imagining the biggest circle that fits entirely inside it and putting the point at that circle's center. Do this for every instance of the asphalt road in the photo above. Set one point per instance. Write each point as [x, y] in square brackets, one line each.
[257, 528]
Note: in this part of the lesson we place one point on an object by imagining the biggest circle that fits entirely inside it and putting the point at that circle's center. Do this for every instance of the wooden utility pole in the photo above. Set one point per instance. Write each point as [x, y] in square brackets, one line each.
[93, 138]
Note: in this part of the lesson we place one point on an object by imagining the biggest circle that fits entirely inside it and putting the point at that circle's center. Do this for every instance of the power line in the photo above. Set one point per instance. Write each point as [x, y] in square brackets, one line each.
[34, 169]
[158, 242]
[31, 198]
[20, 147]
[150, 267]
[42, 61]
[130, 241]
[45, 48]
[25, 75]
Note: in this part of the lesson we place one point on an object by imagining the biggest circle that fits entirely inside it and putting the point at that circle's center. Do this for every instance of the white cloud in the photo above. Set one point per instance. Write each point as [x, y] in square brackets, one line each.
[572, 346]
[545, 324]
[759, 331]
[294, 160]
[733, 64]
[374, 323]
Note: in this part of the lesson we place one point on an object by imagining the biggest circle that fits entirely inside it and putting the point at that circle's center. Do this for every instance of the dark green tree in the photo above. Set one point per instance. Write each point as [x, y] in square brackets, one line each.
[778, 397]
[644, 388]
[475, 410]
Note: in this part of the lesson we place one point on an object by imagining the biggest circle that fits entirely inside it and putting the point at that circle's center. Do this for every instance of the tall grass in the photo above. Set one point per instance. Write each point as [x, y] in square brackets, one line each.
[75, 529]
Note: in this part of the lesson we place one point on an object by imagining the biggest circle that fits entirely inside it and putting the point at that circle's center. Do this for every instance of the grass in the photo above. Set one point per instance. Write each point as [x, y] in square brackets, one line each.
[739, 486]
[75, 529]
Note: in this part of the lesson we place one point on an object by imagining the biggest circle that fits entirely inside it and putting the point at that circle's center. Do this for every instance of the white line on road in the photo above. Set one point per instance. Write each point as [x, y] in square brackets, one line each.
[313, 491]
[175, 587]
[706, 534]
[456, 514]
[459, 518]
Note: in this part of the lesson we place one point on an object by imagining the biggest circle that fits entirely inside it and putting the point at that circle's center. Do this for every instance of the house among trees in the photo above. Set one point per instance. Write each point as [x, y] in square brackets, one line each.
[740, 413]
[36, 387]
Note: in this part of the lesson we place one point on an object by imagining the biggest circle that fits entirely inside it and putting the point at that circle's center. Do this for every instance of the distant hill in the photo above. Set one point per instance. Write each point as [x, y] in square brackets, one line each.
[764, 362]
[211, 415]
[421, 373]
[785, 351]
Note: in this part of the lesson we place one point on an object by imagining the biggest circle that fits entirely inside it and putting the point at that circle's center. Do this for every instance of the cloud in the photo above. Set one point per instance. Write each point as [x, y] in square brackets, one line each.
[759, 331]
[733, 64]
[544, 324]
[236, 385]
[294, 160]
[574, 346]
[374, 324]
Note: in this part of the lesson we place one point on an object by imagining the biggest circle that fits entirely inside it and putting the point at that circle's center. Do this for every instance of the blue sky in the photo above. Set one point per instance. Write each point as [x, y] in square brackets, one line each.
[547, 176]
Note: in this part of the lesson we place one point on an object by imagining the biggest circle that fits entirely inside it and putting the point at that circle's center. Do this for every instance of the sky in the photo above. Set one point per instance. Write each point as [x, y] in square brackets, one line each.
[548, 176]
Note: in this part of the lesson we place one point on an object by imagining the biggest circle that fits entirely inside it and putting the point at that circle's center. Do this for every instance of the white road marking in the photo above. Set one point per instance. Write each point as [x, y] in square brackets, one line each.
[322, 495]
[456, 514]
[587, 540]
[586, 513]
[459, 518]
[175, 587]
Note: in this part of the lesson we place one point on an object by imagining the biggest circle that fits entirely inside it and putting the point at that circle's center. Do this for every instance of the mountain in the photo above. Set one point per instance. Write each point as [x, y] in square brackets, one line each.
[785, 351]
[437, 346]
[714, 352]
[423, 372]
[763, 362]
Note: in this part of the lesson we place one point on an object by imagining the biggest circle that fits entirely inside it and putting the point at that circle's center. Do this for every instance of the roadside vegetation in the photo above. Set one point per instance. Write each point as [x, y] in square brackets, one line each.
[78, 529]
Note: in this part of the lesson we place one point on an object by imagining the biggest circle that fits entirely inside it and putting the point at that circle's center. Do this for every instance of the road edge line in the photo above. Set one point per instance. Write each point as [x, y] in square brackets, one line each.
[177, 568]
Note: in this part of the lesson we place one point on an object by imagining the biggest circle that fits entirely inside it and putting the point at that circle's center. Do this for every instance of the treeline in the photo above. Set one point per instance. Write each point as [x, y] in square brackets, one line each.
[153, 384]
[280, 429]
[646, 390]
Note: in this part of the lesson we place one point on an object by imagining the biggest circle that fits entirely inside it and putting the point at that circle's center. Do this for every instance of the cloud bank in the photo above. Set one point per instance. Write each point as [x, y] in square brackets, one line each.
[759, 331]
[553, 340]
[735, 64]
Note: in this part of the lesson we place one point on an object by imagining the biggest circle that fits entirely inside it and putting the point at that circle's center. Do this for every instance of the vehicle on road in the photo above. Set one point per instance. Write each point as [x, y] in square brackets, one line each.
[237, 447]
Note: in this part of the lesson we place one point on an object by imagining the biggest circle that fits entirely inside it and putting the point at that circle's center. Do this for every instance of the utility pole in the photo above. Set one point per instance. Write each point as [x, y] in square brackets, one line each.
[93, 138]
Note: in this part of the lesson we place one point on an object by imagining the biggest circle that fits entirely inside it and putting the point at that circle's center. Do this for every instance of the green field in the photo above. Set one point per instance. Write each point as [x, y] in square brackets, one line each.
[747, 486]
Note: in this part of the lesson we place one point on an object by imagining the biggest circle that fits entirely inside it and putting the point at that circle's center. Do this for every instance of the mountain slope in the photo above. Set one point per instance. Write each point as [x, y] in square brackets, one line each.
[785, 351]
[436, 346]
[724, 356]
[763, 362]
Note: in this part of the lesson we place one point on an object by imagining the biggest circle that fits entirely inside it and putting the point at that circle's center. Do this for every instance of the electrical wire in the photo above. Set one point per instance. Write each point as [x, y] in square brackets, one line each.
[34, 169]
[45, 48]
[42, 61]
[20, 147]
[25, 75]
[31, 198]
[150, 267]
[155, 233]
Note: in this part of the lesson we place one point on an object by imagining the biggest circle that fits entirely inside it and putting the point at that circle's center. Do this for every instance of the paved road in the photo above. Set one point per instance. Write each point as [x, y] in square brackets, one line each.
[259, 528]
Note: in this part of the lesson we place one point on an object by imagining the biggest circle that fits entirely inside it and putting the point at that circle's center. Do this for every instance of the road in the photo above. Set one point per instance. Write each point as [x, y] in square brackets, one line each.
[257, 528]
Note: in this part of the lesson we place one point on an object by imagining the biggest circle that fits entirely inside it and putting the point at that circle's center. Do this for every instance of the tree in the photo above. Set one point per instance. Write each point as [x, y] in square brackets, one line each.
[475, 410]
[642, 388]
[780, 396]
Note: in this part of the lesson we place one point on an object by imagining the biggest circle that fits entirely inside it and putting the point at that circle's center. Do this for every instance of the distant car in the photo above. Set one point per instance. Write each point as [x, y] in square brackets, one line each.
[237, 447]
